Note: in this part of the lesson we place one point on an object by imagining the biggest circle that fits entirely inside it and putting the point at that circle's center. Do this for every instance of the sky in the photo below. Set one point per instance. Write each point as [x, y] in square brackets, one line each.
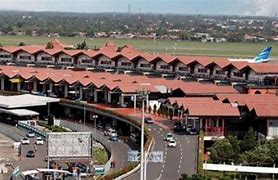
[210, 7]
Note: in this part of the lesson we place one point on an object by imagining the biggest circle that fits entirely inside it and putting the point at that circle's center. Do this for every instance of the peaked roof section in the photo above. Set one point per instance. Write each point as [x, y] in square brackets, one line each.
[166, 58]
[263, 105]
[57, 44]
[130, 52]
[204, 106]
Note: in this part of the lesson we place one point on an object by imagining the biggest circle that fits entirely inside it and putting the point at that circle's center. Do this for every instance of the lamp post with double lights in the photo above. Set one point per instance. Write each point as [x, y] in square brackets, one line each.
[143, 94]
[95, 116]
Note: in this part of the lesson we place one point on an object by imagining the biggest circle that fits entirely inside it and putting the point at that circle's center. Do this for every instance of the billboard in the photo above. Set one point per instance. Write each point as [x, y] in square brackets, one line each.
[68, 145]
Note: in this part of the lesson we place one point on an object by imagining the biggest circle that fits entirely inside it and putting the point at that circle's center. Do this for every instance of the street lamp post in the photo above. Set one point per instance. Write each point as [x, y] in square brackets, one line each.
[95, 116]
[143, 94]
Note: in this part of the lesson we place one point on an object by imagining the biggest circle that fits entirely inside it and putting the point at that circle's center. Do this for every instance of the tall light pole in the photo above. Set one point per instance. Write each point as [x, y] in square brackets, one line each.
[143, 95]
[95, 116]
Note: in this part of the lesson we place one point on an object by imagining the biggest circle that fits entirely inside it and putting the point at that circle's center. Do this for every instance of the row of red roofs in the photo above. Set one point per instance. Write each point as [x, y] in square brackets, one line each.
[113, 52]
[264, 105]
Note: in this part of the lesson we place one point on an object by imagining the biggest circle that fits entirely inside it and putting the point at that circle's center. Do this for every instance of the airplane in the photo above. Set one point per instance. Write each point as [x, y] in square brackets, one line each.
[263, 57]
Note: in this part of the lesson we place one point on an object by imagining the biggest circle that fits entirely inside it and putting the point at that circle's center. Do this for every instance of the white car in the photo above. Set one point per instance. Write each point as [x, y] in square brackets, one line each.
[169, 137]
[109, 131]
[172, 143]
[39, 141]
[25, 140]
[30, 134]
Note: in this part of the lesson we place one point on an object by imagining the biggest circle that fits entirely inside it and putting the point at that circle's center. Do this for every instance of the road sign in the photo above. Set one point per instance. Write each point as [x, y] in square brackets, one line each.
[100, 170]
[133, 156]
[155, 156]
[16, 171]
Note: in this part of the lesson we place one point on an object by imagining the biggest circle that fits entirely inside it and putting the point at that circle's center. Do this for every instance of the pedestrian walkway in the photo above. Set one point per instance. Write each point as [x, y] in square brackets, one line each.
[162, 122]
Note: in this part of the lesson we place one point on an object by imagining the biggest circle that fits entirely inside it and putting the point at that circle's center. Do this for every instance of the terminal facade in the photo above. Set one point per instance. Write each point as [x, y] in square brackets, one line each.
[217, 109]
[128, 59]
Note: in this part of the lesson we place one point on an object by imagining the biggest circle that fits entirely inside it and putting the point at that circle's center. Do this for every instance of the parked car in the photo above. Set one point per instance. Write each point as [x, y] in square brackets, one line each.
[30, 134]
[30, 153]
[114, 137]
[39, 141]
[188, 128]
[193, 131]
[172, 143]
[168, 137]
[179, 128]
[148, 120]
[99, 126]
[134, 137]
[25, 140]
[109, 131]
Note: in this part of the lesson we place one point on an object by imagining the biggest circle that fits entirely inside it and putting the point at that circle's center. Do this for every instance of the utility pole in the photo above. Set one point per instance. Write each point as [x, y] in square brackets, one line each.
[143, 95]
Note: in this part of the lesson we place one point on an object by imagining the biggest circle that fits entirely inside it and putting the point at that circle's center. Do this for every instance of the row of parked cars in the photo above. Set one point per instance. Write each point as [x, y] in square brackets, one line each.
[185, 129]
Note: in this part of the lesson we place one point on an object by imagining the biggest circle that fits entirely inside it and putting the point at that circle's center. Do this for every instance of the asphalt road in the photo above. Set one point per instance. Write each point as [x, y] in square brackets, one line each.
[29, 163]
[178, 160]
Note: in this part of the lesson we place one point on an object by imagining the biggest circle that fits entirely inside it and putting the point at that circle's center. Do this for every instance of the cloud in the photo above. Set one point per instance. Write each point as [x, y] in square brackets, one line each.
[262, 8]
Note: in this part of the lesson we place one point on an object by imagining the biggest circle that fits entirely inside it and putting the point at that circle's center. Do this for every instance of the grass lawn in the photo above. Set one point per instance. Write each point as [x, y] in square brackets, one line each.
[182, 47]
[101, 156]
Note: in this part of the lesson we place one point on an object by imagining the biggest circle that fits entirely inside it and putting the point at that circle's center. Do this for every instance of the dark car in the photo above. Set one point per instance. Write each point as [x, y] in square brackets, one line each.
[193, 131]
[148, 120]
[30, 153]
[179, 128]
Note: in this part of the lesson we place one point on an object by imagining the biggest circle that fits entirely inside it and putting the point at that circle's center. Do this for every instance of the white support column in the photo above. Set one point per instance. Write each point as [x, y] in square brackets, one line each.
[114, 122]
[147, 102]
[109, 97]
[50, 87]
[81, 92]
[134, 101]
[122, 100]
[95, 95]
[44, 87]
[75, 90]
[66, 91]
[105, 96]
[2, 84]
[217, 123]
[18, 86]
[35, 86]
[201, 123]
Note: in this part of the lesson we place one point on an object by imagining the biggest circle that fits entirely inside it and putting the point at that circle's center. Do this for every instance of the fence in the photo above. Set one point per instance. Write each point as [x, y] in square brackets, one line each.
[234, 168]
[22, 124]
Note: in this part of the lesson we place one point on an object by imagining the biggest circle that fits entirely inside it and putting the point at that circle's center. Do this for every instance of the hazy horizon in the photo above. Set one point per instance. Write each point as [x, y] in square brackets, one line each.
[190, 7]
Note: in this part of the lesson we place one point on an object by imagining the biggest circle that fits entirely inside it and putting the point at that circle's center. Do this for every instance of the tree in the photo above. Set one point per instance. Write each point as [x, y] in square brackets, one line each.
[82, 45]
[260, 156]
[21, 44]
[236, 147]
[49, 45]
[249, 141]
[222, 151]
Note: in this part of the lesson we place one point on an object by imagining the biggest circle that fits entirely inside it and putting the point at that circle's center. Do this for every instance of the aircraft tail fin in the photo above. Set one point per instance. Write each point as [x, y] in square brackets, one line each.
[263, 56]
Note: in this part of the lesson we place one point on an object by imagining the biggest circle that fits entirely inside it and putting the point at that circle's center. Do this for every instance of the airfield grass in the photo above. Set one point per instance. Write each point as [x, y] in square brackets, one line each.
[167, 46]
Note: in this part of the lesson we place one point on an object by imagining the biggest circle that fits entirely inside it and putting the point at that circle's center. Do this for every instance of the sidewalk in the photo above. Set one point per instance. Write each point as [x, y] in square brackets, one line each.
[162, 122]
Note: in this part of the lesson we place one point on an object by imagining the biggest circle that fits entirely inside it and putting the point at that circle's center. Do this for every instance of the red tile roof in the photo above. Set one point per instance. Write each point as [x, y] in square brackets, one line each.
[204, 106]
[264, 105]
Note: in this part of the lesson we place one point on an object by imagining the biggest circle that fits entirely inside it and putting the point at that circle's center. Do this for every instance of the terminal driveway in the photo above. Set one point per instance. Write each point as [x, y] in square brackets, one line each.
[178, 160]
[29, 163]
